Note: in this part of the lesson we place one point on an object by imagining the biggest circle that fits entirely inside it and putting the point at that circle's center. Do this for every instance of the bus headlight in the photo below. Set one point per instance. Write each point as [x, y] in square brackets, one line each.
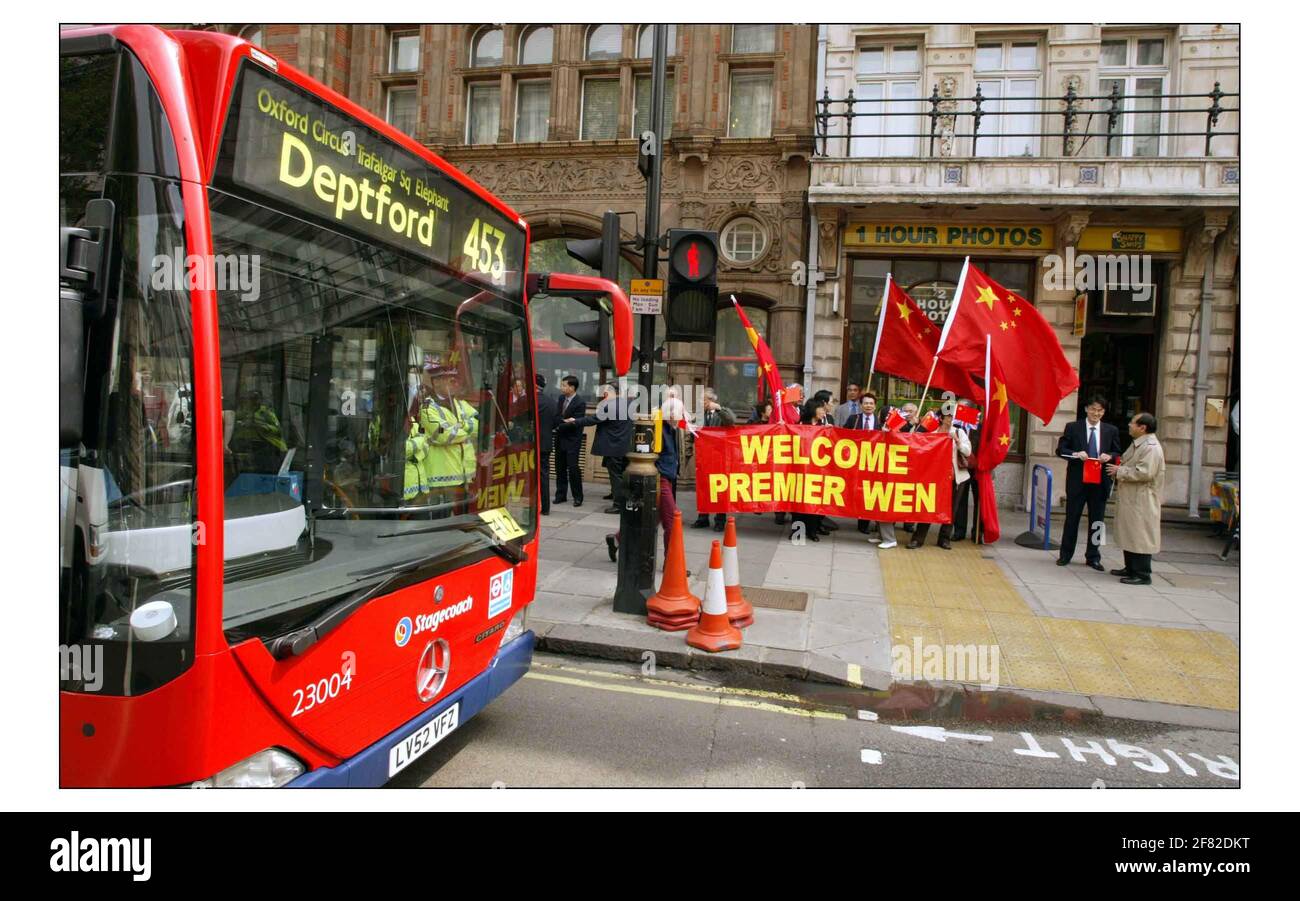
[517, 626]
[271, 768]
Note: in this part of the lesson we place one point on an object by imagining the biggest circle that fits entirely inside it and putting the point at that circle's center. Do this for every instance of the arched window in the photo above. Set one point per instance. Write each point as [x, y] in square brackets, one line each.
[535, 45]
[605, 42]
[488, 49]
[252, 34]
[645, 41]
[735, 368]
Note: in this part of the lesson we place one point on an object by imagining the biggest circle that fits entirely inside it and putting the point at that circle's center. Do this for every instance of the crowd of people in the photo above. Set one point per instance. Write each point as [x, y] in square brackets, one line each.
[1138, 479]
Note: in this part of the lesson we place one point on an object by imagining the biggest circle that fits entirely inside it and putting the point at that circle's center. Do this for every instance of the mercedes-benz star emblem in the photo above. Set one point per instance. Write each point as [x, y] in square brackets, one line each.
[431, 673]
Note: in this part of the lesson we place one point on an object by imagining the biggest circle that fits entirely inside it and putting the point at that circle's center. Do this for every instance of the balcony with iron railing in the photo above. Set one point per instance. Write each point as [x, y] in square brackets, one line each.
[1146, 148]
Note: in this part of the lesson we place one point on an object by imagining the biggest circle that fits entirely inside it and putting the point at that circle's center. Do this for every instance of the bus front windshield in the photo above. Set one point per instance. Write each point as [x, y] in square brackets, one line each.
[377, 412]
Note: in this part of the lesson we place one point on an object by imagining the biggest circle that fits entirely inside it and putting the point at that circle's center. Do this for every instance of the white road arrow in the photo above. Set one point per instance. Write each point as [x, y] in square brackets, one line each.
[939, 734]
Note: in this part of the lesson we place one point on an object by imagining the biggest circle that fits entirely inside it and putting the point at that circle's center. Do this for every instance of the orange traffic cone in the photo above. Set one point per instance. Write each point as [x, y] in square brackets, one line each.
[715, 632]
[674, 608]
[739, 611]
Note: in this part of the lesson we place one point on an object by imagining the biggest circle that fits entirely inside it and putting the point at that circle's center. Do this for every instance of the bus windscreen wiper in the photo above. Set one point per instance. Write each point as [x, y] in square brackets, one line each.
[465, 523]
[299, 640]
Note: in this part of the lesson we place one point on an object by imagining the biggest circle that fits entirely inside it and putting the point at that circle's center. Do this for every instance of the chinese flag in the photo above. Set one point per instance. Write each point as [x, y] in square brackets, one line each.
[929, 422]
[766, 363]
[906, 343]
[995, 441]
[895, 421]
[1038, 376]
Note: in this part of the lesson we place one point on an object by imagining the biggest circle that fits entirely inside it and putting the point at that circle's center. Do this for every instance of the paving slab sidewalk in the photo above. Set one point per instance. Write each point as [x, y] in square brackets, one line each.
[1163, 650]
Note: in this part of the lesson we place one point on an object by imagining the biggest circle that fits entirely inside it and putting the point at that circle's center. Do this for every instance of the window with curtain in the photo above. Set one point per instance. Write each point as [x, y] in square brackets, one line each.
[599, 109]
[645, 41]
[532, 111]
[404, 52]
[1008, 75]
[483, 123]
[605, 42]
[489, 47]
[753, 39]
[641, 112]
[751, 105]
[1136, 67]
[735, 368]
[535, 45]
[888, 81]
[402, 110]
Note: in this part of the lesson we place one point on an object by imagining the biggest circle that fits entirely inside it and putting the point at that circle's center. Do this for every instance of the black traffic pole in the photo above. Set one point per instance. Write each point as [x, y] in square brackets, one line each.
[639, 517]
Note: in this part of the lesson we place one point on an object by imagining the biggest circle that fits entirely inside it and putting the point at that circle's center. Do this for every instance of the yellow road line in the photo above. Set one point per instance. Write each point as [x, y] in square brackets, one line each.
[719, 700]
[712, 689]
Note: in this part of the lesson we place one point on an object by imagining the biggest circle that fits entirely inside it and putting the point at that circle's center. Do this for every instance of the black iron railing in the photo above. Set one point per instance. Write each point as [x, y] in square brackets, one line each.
[1081, 117]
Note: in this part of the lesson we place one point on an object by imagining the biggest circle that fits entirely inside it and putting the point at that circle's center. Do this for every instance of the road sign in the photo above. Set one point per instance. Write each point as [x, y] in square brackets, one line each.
[647, 296]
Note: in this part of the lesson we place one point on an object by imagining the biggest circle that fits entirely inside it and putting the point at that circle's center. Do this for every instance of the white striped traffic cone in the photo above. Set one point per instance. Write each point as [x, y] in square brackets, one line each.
[739, 611]
[714, 632]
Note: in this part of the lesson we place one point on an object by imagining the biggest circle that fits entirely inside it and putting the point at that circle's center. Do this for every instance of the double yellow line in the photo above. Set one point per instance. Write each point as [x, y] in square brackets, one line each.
[717, 695]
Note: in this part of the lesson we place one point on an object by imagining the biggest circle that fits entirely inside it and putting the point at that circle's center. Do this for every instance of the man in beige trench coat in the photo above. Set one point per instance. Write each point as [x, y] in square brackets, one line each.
[1139, 488]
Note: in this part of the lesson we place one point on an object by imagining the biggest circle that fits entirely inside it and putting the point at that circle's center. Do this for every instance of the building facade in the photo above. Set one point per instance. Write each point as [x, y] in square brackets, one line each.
[1033, 149]
[545, 116]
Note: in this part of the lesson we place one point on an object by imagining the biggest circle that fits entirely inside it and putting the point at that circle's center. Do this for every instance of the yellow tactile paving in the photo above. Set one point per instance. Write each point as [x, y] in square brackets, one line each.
[980, 606]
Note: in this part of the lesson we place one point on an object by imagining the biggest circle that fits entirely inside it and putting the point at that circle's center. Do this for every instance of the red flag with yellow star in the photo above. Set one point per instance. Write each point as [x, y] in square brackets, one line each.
[906, 341]
[766, 362]
[995, 441]
[1024, 342]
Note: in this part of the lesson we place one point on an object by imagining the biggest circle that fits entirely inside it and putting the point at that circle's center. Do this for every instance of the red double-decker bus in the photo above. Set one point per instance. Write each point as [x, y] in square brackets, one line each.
[299, 505]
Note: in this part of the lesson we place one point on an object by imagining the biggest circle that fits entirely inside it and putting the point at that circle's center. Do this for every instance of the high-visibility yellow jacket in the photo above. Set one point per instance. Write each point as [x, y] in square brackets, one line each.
[417, 444]
[261, 425]
[450, 459]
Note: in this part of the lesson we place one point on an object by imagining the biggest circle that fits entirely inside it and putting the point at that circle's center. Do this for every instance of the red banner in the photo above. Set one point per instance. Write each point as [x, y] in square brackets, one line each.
[885, 476]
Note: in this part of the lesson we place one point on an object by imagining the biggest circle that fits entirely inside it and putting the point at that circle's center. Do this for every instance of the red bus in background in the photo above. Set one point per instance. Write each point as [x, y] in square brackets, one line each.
[264, 580]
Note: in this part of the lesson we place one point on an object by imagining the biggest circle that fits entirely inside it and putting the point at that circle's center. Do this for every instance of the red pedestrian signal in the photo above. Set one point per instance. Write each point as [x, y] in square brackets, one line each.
[693, 261]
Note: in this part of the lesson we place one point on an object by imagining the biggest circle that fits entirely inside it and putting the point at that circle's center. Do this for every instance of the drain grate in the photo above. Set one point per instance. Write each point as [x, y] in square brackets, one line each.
[775, 598]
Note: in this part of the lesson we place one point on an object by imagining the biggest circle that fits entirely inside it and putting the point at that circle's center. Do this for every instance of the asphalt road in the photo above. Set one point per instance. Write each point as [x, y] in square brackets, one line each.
[573, 722]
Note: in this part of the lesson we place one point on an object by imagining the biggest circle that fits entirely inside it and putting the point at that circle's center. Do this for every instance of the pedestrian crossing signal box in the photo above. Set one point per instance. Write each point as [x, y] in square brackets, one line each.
[691, 308]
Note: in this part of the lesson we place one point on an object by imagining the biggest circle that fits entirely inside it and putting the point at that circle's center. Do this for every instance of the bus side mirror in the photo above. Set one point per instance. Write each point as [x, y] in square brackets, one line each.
[590, 289]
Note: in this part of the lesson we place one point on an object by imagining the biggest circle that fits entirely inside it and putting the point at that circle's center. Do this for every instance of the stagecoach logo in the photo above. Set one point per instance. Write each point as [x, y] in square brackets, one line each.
[402, 634]
[429, 622]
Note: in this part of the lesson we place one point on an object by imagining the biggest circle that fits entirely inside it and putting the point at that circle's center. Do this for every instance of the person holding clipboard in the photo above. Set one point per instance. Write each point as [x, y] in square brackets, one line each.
[1089, 444]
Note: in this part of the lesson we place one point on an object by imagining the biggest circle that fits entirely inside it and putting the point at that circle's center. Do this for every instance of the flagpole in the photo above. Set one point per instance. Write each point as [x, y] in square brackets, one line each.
[952, 310]
[880, 327]
[928, 379]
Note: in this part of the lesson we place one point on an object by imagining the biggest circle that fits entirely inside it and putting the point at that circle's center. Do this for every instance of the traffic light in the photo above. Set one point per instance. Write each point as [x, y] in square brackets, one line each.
[691, 312]
[601, 254]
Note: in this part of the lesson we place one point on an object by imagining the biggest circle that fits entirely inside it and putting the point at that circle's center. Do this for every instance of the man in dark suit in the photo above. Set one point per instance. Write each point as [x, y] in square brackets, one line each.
[1083, 439]
[568, 441]
[612, 442]
[866, 417]
[547, 407]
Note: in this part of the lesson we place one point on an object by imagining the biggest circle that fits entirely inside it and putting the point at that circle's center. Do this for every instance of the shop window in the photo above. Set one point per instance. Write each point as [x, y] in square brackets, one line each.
[932, 283]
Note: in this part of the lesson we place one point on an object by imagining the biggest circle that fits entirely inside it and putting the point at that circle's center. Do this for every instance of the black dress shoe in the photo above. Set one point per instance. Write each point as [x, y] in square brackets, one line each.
[577, 503]
[719, 526]
[824, 531]
[1061, 562]
[961, 537]
[913, 544]
[613, 508]
[1119, 572]
[546, 512]
[1096, 564]
[1135, 580]
[611, 545]
[830, 524]
[945, 544]
[863, 528]
[560, 500]
[700, 524]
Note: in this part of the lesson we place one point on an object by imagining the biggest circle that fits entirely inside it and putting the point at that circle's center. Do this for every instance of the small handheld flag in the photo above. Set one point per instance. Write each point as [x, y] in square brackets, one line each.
[895, 420]
[930, 422]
